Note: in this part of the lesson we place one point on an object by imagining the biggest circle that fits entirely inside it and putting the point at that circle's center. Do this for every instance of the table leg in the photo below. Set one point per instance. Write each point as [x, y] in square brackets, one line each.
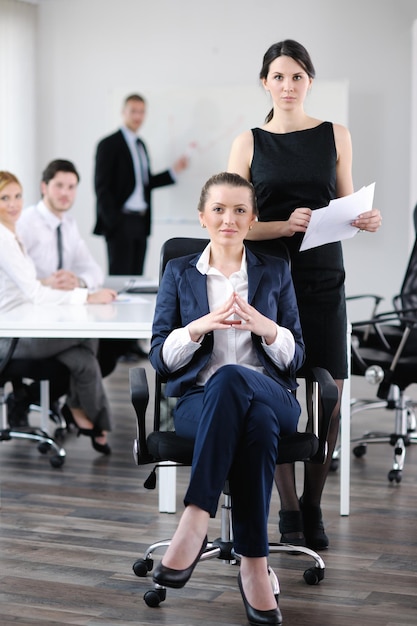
[167, 488]
[345, 437]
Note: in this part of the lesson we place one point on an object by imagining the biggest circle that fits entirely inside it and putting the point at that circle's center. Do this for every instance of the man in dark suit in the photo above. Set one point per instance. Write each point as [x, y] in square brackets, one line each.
[123, 183]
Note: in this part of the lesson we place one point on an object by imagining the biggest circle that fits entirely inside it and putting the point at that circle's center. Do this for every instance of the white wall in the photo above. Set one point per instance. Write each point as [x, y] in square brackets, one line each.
[92, 51]
[18, 90]
[413, 151]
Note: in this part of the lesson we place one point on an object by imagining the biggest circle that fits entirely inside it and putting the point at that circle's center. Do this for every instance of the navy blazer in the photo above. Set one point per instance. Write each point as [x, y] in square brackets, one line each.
[182, 298]
[114, 182]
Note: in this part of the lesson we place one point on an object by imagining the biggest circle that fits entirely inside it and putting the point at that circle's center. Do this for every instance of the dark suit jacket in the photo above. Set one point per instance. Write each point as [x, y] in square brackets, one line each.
[182, 298]
[114, 182]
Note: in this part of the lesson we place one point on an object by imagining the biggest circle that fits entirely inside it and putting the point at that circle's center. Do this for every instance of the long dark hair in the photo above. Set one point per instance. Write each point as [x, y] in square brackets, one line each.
[287, 48]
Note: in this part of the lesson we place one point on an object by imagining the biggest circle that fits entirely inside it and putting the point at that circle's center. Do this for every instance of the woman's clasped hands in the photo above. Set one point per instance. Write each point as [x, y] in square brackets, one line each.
[236, 313]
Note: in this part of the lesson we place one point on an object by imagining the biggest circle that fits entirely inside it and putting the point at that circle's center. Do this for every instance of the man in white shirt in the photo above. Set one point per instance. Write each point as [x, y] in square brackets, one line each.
[62, 260]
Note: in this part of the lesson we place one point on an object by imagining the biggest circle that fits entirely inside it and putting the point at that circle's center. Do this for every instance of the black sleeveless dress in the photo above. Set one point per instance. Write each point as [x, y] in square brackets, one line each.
[294, 170]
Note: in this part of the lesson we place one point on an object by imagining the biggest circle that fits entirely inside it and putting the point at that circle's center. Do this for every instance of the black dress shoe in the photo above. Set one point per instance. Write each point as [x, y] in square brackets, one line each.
[176, 578]
[18, 404]
[291, 528]
[272, 617]
[316, 538]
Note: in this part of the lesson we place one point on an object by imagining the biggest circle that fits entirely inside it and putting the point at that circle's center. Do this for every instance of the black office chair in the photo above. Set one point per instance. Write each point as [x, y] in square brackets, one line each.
[163, 445]
[387, 332]
[37, 370]
[384, 351]
[377, 343]
[394, 368]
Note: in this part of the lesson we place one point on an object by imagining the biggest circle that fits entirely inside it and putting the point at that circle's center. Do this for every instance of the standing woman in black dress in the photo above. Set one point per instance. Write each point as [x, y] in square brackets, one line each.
[297, 164]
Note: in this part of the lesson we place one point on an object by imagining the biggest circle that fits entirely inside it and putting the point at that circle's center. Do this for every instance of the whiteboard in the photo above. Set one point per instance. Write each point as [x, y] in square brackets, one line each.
[210, 118]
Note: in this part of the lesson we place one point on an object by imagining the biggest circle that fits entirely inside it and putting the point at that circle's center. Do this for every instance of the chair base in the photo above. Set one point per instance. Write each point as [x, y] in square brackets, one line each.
[405, 432]
[45, 443]
[223, 550]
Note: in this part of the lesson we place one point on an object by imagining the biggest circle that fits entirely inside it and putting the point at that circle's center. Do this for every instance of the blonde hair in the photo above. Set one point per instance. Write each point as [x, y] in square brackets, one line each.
[6, 178]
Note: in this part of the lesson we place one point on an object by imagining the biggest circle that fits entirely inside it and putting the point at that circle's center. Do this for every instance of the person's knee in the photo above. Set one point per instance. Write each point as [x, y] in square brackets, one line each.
[228, 376]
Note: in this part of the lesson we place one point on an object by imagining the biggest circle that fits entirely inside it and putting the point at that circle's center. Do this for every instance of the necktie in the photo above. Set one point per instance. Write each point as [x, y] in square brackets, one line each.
[142, 161]
[59, 246]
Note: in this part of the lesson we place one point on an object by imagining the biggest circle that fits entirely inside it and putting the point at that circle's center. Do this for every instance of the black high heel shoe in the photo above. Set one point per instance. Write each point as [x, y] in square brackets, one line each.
[272, 617]
[176, 578]
[103, 448]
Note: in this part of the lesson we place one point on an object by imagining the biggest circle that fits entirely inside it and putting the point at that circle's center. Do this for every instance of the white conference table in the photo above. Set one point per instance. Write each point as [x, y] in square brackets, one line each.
[130, 317]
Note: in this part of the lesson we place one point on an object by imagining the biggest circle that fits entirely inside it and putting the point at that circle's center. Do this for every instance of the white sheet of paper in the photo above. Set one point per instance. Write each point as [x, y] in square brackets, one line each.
[333, 222]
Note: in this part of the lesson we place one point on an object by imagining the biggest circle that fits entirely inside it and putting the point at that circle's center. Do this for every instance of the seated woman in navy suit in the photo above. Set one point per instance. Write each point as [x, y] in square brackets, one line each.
[227, 338]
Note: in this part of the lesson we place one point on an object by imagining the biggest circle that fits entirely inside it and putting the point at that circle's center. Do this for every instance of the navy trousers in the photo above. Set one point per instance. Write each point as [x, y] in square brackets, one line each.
[236, 420]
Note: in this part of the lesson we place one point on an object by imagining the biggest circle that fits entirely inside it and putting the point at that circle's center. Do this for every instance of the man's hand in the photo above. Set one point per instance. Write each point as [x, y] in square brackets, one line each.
[62, 279]
[102, 296]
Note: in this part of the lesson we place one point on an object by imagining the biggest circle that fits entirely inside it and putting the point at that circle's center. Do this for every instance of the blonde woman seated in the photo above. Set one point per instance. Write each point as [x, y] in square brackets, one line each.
[227, 338]
[18, 285]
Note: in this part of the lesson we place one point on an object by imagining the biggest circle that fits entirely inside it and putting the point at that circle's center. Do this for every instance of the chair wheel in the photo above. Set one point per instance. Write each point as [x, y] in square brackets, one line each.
[154, 597]
[359, 451]
[142, 566]
[313, 575]
[334, 465]
[395, 475]
[60, 433]
[57, 461]
[44, 447]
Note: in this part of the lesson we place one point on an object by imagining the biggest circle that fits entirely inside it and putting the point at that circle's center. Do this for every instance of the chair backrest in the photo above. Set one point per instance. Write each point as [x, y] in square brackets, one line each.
[182, 246]
[407, 298]
[8, 346]
[408, 294]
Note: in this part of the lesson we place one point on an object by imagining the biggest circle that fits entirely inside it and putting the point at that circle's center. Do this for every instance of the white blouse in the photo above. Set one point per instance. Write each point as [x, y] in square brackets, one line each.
[18, 282]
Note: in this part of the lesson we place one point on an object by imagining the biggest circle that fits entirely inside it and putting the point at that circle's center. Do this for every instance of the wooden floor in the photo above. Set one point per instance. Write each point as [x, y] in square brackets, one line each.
[69, 536]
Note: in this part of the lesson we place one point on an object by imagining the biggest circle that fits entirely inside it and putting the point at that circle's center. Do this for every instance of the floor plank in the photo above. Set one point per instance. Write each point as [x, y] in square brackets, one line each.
[69, 537]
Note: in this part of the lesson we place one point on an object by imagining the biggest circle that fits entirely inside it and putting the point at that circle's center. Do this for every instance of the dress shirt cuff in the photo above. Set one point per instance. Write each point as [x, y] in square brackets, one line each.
[79, 296]
[178, 349]
[282, 350]
[173, 174]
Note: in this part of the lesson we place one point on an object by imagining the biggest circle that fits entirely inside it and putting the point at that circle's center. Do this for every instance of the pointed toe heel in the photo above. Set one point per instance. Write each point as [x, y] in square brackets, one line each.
[176, 578]
[272, 617]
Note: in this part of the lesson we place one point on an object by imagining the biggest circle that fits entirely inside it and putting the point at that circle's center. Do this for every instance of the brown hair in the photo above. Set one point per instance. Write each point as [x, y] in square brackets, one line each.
[58, 165]
[227, 178]
[6, 178]
[134, 97]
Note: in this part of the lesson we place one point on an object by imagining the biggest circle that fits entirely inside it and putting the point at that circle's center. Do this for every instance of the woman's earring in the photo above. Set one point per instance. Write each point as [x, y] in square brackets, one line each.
[203, 225]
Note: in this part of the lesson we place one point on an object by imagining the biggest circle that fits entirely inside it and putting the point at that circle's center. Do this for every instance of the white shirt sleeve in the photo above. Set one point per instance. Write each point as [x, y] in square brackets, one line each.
[178, 349]
[282, 350]
[18, 282]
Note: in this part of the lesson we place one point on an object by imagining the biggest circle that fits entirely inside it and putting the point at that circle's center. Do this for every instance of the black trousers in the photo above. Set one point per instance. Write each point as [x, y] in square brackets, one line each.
[126, 246]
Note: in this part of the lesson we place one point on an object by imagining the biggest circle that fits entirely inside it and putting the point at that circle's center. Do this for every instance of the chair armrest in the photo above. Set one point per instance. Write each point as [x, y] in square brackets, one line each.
[367, 296]
[139, 394]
